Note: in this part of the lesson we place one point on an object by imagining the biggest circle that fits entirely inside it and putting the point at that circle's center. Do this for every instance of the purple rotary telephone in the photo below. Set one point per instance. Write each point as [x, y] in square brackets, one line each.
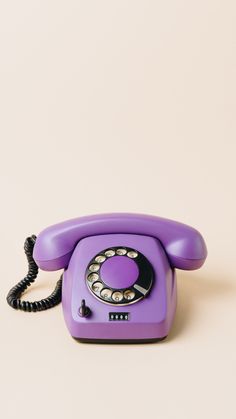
[119, 280]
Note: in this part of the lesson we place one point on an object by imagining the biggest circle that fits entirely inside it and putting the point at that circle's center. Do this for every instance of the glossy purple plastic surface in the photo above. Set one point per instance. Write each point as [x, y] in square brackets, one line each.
[165, 243]
[119, 272]
[149, 318]
[184, 245]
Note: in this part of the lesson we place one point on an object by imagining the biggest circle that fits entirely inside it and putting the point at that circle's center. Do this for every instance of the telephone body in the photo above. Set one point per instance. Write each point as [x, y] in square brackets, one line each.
[119, 281]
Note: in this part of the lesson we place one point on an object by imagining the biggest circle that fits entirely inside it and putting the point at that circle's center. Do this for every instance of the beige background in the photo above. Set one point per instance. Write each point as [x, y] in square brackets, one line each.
[119, 106]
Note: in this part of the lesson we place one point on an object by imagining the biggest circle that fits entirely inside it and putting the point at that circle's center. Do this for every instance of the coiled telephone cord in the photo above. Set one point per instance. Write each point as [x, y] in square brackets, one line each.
[13, 297]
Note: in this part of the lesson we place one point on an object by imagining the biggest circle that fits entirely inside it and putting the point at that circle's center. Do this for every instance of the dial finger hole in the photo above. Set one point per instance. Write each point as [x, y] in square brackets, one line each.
[100, 258]
[117, 296]
[97, 286]
[121, 252]
[94, 267]
[132, 254]
[106, 293]
[93, 277]
[129, 295]
[109, 253]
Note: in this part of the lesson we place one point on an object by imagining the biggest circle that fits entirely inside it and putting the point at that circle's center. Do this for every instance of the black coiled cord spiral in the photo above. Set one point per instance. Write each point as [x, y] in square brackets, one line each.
[13, 297]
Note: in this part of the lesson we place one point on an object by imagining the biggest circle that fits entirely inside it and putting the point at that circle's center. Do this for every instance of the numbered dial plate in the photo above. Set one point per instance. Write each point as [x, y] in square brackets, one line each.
[120, 281]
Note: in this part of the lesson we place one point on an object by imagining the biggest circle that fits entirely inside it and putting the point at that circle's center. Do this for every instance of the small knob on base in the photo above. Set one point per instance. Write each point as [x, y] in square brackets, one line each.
[84, 311]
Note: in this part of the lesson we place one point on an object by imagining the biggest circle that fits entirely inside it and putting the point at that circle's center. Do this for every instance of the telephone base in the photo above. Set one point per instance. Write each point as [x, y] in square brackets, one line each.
[117, 341]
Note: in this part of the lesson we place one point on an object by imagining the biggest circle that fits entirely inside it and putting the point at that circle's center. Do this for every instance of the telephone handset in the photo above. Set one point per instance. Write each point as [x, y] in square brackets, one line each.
[119, 278]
